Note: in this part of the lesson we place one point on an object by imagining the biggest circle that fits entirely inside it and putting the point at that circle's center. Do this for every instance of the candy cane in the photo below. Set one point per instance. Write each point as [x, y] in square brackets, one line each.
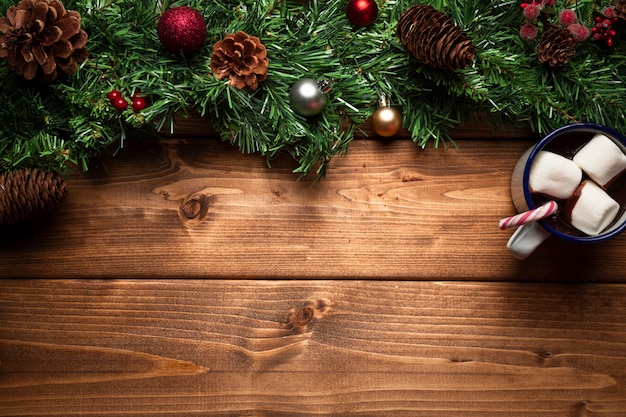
[530, 216]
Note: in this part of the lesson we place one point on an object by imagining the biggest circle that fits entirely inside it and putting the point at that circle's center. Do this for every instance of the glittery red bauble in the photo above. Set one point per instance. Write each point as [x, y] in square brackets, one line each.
[181, 28]
[362, 12]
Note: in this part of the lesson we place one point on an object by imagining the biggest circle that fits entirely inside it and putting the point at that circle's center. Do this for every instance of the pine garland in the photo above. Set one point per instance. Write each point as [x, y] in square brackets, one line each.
[71, 121]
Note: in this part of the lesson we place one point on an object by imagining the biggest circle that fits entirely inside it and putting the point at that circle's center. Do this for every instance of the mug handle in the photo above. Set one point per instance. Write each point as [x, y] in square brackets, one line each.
[526, 239]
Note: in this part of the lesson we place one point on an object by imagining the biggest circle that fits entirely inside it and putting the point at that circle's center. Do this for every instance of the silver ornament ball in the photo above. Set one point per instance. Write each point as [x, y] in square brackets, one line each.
[306, 97]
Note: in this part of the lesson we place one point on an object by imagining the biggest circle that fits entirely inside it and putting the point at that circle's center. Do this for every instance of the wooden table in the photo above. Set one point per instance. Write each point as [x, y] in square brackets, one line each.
[383, 290]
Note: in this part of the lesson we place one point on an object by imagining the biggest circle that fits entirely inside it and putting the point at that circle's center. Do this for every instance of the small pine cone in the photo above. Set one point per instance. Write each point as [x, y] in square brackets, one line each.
[38, 38]
[242, 58]
[28, 193]
[434, 39]
[556, 46]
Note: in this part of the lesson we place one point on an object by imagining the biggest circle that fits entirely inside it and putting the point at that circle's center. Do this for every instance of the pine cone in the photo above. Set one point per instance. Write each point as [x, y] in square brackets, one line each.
[28, 193]
[242, 58]
[39, 37]
[556, 46]
[620, 9]
[434, 39]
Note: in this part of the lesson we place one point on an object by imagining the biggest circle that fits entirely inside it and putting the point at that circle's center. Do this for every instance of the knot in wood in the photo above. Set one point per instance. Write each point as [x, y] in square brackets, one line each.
[191, 208]
[195, 209]
[300, 318]
[304, 316]
[545, 354]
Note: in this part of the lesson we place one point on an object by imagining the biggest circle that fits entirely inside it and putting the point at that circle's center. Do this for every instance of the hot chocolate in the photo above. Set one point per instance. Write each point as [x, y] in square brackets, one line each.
[568, 145]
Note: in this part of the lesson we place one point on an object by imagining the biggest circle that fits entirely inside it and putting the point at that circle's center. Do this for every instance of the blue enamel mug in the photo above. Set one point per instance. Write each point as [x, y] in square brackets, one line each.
[529, 236]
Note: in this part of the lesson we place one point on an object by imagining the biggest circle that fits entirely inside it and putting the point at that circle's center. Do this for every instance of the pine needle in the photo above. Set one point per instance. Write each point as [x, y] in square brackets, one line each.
[73, 121]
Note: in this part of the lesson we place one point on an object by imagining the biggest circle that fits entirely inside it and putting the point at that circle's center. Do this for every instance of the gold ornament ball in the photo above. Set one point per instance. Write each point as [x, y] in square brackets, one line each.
[386, 121]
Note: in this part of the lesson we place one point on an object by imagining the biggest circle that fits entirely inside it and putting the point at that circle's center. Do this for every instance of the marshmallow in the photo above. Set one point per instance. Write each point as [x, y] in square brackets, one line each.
[554, 175]
[590, 209]
[602, 160]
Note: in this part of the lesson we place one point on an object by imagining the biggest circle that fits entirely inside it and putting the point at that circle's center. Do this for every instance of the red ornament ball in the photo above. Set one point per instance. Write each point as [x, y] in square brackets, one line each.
[182, 29]
[362, 12]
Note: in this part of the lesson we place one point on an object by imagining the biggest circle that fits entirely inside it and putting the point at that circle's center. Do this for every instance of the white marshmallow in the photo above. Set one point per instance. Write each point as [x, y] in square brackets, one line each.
[592, 209]
[554, 175]
[601, 159]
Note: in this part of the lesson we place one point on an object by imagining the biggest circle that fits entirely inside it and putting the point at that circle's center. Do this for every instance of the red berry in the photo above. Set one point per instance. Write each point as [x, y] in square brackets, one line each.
[114, 95]
[532, 11]
[139, 103]
[609, 11]
[528, 32]
[567, 17]
[120, 103]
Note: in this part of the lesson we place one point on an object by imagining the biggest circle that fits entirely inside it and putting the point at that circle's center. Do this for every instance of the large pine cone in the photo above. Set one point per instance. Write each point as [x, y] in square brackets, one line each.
[242, 58]
[556, 46]
[39, 37]
[28, 193]
[434, 39]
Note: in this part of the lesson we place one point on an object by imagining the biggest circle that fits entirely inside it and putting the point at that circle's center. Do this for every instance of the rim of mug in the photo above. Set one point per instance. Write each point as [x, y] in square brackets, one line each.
[589, 127]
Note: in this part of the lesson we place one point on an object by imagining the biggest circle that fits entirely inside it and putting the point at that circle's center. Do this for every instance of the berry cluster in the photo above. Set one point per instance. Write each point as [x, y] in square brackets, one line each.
[138, 103]
[604, 29]
[567, 18]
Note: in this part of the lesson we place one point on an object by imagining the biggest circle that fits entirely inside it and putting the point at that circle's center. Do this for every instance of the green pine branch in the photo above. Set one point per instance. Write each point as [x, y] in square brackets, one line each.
[71, 122]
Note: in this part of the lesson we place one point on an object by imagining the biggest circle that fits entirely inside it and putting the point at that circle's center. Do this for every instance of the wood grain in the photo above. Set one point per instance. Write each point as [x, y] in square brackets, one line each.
[333, 348]
[386, 210]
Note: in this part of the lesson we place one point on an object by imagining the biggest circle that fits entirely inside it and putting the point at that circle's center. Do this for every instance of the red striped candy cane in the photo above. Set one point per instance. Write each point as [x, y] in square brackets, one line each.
[530, 216]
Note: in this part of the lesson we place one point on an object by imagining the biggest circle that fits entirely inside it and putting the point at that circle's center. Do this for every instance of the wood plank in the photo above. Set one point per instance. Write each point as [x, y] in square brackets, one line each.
[387, 210]
[333, 348]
